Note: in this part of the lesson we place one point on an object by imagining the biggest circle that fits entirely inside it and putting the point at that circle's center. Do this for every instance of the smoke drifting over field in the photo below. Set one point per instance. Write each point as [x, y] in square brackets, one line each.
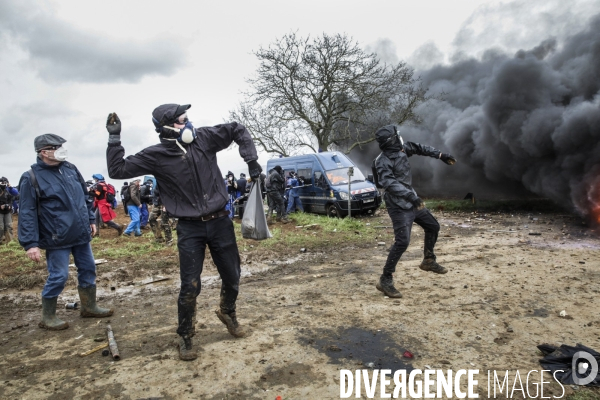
[526, 120]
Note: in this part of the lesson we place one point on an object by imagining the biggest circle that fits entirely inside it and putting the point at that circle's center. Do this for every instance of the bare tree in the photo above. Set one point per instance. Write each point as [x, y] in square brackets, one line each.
[324, 92]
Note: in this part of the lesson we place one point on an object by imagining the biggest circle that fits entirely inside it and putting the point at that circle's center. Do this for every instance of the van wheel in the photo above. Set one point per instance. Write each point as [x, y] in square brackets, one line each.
[332, 211]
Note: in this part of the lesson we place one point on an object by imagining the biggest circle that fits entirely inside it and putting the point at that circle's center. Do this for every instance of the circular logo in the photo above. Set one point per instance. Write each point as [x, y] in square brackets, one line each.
[587, 356]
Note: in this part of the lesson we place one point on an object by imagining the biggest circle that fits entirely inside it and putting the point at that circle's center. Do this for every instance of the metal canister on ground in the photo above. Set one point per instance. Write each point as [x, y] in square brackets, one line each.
[71, 306]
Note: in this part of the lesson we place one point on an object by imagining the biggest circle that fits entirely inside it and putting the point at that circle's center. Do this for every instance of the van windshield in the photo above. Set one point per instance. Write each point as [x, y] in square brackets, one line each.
[340, 176]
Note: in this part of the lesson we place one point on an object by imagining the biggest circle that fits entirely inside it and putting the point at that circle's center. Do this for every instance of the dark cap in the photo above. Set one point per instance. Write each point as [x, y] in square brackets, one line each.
[278, 168]
[46, 140]
[4, 179]
[166, 114]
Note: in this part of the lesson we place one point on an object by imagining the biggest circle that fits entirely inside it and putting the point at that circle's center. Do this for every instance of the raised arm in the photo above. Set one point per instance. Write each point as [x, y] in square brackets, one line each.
[118, 166]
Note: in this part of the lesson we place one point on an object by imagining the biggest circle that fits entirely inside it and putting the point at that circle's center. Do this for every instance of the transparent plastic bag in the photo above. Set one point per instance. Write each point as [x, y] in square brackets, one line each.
[254, 221]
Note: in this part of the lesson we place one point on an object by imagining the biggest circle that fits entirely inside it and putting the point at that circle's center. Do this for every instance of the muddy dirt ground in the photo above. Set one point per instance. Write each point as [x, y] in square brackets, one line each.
[315, 312]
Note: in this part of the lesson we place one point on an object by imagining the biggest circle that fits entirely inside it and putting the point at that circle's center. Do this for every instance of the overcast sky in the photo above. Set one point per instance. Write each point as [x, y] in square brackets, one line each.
[64, 65]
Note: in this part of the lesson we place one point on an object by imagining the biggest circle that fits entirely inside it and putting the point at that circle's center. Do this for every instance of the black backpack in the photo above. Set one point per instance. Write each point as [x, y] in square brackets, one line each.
[374, 172]
[127, 195]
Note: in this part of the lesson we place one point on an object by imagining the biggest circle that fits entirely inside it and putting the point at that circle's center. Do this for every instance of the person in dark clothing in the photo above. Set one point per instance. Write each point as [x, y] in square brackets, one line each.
[241, 185]
[7, 196]
[56, 215]
[124, 188]
[231, 185]
[145, 198]
[184, 164]
[267, 186]
[277, 186]
[159, 211]
[403, 204]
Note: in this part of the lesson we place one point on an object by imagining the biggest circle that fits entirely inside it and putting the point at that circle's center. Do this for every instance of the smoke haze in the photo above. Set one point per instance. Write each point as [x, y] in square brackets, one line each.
[527, 120]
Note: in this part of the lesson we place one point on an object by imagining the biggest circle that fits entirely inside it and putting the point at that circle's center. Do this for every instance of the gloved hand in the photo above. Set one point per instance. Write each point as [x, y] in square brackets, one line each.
[418, 204]
[254, 170]
[113, 124]
[447, 158]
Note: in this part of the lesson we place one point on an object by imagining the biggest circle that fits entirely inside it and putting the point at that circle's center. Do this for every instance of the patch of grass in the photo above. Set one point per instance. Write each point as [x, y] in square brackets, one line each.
[315, 231]
[15, 261]
[528, 205]
[127, 247]
[585, 394]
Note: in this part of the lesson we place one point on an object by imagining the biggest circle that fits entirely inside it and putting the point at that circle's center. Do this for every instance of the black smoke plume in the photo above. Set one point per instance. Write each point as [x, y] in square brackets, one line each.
[522, 123]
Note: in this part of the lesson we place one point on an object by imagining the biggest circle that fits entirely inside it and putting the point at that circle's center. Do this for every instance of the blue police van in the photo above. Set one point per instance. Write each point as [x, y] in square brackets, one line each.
[325, 189]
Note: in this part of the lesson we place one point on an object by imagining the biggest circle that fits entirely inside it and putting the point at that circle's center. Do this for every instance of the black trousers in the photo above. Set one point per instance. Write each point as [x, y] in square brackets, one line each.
[192, 238]
[279, 203]
[402, 220]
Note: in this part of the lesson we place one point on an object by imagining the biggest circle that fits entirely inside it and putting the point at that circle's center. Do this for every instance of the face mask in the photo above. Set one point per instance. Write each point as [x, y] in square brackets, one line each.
[186, 135]
[60, 154]
[2, 187]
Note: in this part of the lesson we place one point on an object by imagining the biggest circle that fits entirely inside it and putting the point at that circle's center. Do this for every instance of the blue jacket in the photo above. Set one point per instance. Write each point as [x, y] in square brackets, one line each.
[293, 184]
[65, 208]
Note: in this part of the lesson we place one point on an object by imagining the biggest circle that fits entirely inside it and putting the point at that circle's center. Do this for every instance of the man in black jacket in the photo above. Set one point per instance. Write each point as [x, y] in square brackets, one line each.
[403, 204]
[184, 164]
[275, 193]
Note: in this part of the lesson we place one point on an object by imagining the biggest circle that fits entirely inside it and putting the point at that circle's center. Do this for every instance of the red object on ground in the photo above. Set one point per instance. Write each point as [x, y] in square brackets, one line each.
[408, 354]
[278, 398]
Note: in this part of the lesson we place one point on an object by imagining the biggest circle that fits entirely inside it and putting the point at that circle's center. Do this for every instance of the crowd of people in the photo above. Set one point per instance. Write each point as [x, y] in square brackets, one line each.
[60, 212]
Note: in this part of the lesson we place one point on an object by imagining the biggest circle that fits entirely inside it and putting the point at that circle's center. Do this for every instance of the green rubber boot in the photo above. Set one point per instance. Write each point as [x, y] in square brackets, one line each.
[89, 308]
[49, 319]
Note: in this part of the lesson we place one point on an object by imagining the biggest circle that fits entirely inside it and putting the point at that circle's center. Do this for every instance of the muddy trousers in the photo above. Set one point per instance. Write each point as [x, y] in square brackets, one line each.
[402, 220]
[163, 226]
[6, 230]
[192, 238]
[278, 202]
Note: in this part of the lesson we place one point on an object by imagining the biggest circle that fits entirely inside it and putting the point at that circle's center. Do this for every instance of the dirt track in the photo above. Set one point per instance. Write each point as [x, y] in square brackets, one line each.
[319, 312]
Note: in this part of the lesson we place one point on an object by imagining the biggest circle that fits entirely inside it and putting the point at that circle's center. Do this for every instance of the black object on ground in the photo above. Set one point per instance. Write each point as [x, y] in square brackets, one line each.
[561, 358]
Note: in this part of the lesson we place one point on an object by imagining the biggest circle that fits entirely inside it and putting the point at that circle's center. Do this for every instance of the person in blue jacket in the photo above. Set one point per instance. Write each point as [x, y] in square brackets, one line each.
[56, 215]
[294, 201]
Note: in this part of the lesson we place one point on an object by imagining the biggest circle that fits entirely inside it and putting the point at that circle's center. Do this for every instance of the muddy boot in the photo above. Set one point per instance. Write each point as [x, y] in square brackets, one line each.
[120, 229]
[7, 237]
[89, 308]
[187, 352]
[49, 319]
[233, 326]
[386, 285]
[429, 264]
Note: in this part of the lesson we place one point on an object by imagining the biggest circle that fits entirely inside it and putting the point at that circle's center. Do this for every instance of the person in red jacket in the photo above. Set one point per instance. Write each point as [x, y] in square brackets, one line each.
[100, 192]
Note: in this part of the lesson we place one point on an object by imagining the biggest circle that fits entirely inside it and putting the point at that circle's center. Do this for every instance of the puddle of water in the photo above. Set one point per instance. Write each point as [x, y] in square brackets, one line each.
[351, 346]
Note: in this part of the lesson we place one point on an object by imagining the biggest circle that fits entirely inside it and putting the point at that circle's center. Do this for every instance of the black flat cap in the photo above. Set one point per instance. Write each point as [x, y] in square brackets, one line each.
[46, 140]
[166, 114]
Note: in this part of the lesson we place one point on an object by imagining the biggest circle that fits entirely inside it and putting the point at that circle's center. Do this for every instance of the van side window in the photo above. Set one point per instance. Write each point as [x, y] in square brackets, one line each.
[306, 173]
[319, 179]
